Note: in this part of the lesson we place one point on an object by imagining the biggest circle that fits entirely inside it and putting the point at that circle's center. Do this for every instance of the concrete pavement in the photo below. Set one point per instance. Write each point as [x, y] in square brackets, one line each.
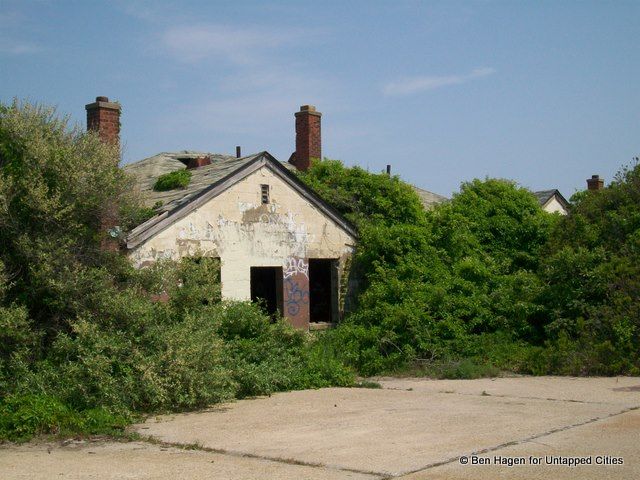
[412, 428]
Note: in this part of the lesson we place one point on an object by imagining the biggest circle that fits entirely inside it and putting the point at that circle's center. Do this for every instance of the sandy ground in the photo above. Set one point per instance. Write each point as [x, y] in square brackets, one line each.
[411, 428]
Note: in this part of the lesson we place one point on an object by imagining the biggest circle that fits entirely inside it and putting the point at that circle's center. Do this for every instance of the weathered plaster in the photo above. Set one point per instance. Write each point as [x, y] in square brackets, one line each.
[242, 232]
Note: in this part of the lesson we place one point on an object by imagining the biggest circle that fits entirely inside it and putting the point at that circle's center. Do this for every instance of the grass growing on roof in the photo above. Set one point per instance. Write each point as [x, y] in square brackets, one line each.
[172, 181]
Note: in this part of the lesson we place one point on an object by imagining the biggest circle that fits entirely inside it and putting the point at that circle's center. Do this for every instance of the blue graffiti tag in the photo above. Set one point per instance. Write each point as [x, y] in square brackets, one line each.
[295, 296]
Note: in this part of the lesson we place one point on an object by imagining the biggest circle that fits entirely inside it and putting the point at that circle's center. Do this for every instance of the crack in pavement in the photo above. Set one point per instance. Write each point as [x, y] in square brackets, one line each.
[516, 442]
[236, 453]
[568, 400]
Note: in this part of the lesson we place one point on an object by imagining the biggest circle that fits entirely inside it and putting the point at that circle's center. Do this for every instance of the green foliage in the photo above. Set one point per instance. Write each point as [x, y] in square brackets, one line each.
[86, 341]
[199, 280]
[57, 188]
[172, 180]
[362, 196]
[125, 353]
[463, 369]
[432, 283]
[22, 417]
[488, 280]
[267, 356]
[493, 217]
[134, 215]
[591, 270]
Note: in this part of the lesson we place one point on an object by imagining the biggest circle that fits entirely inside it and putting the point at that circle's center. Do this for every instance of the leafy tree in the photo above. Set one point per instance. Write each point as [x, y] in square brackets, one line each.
[431, 282]
[362, 196]
[57, 186]
[591, 269]
[496, 217]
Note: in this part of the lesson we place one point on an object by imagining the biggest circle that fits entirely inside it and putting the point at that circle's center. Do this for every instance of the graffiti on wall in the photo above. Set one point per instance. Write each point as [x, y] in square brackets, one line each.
[299, 237]
[295, 272]
[295, 296]
[293, 266]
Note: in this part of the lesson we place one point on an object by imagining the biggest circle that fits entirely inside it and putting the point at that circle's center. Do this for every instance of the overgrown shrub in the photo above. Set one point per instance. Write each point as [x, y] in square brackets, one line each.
[364, 197]
[591, 269]
[434, 281]
[489, 280]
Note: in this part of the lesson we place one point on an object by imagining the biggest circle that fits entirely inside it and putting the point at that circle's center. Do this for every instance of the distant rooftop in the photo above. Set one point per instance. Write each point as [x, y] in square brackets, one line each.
[544, 196]
[428, 199]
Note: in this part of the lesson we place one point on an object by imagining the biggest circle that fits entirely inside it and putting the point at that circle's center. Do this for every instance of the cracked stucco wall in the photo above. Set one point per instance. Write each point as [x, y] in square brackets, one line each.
[242, 232]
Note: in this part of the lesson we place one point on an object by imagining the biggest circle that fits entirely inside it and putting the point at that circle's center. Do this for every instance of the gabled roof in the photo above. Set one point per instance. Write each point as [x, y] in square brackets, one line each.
[206, 183]
[544, 196]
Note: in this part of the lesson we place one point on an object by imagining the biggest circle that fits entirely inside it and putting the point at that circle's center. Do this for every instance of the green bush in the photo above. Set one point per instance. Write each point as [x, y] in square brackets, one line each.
[22, 417]
[266, 356]
[591, 270]
[172, 180]
[465, 369]
[432, 284]
[489, 279]
[362, 196]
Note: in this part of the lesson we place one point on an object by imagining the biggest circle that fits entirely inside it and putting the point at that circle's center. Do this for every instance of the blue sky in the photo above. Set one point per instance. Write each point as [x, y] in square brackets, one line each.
[544, 93]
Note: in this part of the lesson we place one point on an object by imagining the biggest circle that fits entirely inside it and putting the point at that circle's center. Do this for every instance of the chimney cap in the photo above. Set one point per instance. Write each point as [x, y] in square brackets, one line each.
[308, 110]
[595, 177]
[103, 102]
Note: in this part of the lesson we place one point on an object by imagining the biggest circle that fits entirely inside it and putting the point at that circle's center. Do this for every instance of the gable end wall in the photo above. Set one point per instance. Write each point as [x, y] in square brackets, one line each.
[236, 227]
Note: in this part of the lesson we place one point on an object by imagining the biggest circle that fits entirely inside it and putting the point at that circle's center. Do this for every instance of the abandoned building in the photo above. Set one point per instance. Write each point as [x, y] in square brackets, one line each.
[276, 239]
[278, 242]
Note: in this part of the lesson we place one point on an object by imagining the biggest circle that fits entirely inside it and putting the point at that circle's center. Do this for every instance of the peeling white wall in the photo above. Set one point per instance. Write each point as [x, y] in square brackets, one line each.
[236, 227]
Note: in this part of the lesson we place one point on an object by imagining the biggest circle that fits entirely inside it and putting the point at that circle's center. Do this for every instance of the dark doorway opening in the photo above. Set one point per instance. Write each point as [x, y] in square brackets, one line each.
[266, 288]
[321, 290]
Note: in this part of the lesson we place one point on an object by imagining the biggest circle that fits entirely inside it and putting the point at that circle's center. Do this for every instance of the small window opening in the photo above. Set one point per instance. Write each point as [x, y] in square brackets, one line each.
[264, 192]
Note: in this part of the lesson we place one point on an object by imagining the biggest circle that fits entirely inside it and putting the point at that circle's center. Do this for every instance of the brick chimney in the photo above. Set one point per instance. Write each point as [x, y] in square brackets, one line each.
[595, 183]
[198, 162]
[103, 117]
[308, 138]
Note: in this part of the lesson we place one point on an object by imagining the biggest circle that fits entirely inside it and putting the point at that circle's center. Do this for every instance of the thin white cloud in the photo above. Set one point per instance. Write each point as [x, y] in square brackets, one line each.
[237, 45]
[411, 85]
